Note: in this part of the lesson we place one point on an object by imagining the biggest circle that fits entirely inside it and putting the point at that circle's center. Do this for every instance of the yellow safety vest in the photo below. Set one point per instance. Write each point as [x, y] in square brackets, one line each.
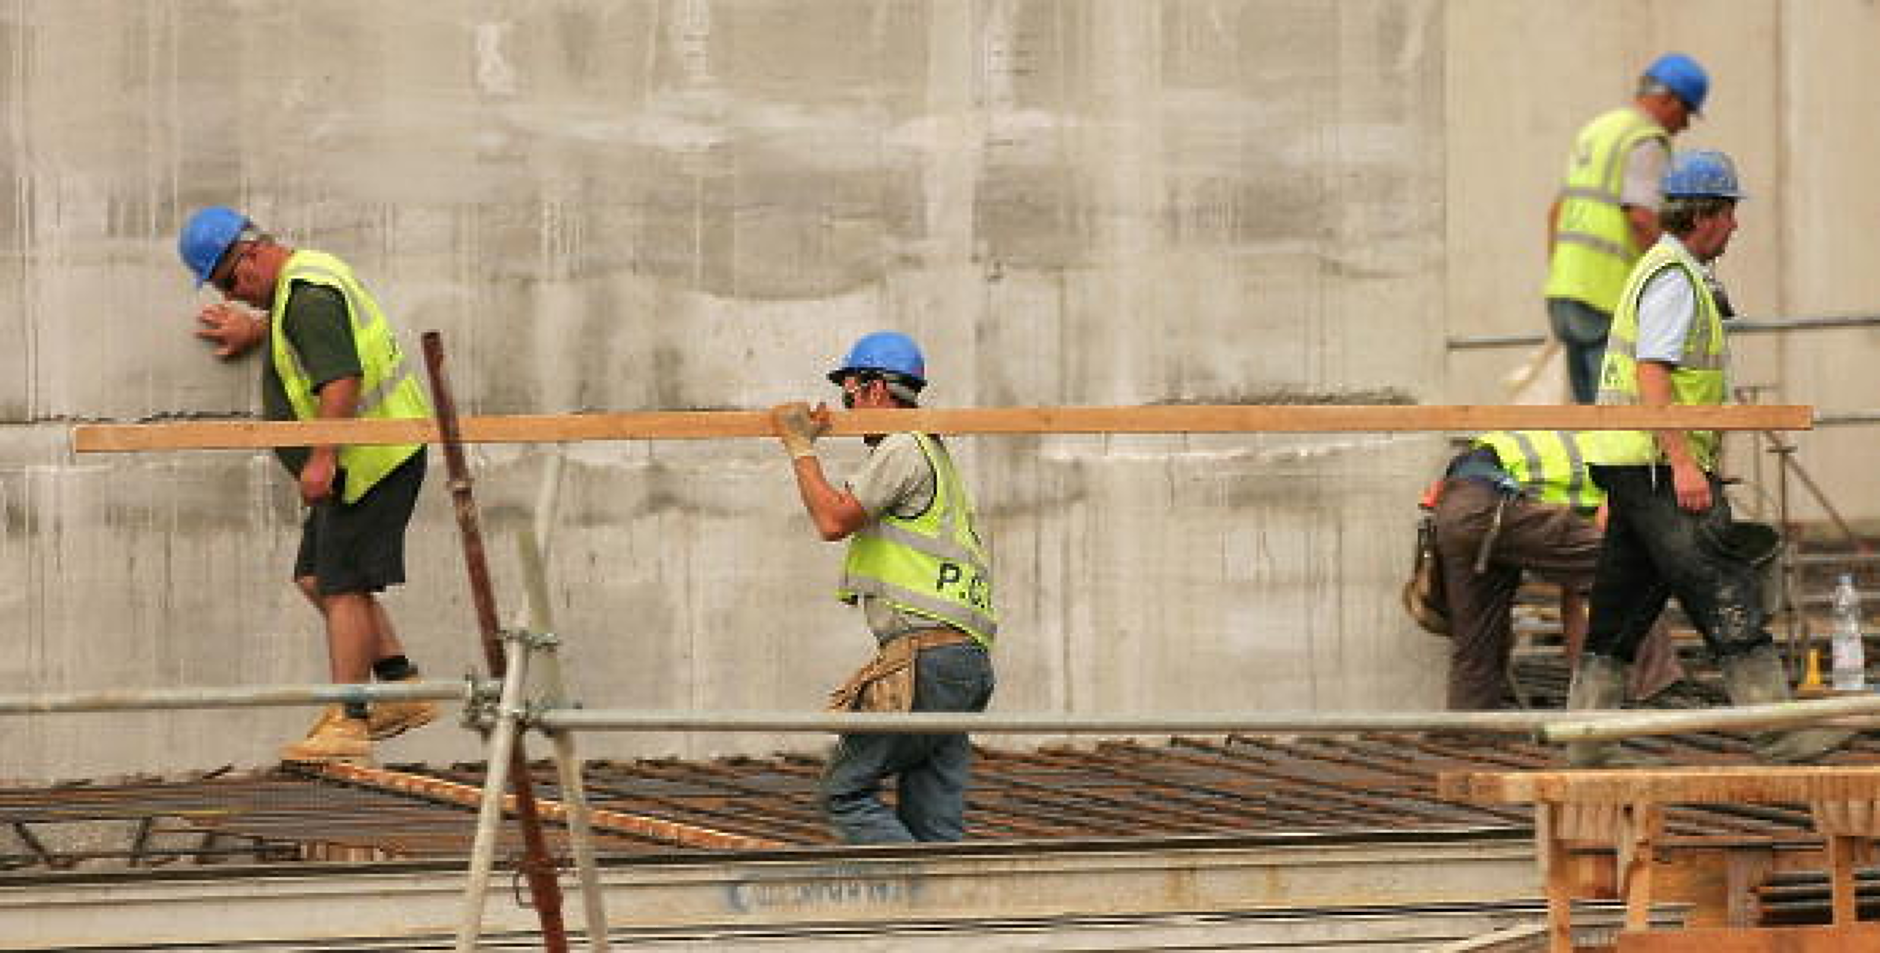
[389, 389]
[1549, 464]
[1593, 244]
[1699, 378]
[931, 565]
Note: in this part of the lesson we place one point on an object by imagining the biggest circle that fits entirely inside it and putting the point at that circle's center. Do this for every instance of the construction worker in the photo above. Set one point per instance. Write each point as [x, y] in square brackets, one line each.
[1514, 502]
[1670, 531]
[920, 572]
[1606, 213]
[331, 354]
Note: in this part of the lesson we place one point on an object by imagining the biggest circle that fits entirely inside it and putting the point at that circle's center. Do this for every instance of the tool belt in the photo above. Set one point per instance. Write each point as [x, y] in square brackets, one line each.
[887, 682]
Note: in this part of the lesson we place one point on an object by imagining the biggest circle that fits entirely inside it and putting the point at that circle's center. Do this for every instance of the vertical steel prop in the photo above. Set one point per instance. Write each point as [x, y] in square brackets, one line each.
[537, 867]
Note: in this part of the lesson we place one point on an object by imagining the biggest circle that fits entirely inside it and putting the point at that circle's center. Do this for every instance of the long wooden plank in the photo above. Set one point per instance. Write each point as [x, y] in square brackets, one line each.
[1159, 418]
[1745, 784]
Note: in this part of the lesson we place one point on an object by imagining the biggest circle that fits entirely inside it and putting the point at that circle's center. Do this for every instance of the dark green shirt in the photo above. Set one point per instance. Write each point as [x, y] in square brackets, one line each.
[317, 325]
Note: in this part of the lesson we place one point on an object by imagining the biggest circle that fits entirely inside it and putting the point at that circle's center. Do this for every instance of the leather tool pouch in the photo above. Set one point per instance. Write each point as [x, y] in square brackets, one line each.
[884, 684]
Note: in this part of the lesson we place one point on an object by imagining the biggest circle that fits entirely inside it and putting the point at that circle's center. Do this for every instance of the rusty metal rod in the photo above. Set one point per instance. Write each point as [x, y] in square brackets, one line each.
[1212, 723]
[250, 696]
[1739, 718]
[538, 868]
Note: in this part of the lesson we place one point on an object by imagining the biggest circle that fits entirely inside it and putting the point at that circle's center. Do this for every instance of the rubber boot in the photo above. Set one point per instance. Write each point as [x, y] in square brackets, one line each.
[334, 737]
[1757, 678]
[1598, 683]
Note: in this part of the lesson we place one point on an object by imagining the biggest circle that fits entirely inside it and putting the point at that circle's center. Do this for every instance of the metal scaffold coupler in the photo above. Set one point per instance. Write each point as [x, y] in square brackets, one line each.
[481, 696]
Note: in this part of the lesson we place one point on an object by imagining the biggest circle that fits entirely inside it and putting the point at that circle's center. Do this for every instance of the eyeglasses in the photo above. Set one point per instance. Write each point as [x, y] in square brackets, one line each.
[226, 282]
[240, 249]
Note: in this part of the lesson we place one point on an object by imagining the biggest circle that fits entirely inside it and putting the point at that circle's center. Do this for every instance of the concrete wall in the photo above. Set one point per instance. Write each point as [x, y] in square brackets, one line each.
[683, 204]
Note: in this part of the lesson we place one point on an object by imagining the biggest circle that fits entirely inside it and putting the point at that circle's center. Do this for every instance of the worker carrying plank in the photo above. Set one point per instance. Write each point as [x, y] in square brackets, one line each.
[1519, 501]
[919, 568]
[331, 354]
[1606, 213]
[1670, 531]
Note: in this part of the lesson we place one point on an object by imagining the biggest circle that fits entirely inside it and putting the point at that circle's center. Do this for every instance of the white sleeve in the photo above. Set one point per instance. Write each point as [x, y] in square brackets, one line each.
[1644, 175]
[1666, 306]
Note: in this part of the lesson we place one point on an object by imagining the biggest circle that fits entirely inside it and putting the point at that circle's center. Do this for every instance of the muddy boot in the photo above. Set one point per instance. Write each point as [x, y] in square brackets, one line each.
[334, 737]
[1598, 683]
[1758, 679]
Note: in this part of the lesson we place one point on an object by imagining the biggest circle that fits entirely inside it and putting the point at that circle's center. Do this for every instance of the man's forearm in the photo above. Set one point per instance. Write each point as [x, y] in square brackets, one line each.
[339, 400]
[1654, 389]
[835, 512]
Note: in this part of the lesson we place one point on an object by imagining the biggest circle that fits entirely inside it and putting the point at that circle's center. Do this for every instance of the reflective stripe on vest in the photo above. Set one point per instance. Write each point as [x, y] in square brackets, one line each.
[931, 565]
[1593, 244]
[1699, 379]
[389, 390]
[1549, 464]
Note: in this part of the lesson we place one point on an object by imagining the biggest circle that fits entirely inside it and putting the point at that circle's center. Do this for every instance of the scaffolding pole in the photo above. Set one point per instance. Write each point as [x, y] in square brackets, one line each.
[249, 696]
[1214, 723]
[537, 867]
[1739, 718]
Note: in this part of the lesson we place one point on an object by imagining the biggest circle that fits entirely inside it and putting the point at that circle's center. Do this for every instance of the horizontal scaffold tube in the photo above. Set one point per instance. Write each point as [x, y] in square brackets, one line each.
[250, 696]
[1156, 418]
[1736, 326]
[1742, 718]
[1296, 722]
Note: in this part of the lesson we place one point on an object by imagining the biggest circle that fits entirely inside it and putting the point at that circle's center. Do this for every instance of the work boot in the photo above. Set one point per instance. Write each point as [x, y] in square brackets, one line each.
[1598, 683]
[1757, 678]
[334, 737]
[391, 719]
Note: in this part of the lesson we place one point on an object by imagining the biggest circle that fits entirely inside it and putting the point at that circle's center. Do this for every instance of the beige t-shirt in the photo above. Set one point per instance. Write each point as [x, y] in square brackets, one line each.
[897, 479]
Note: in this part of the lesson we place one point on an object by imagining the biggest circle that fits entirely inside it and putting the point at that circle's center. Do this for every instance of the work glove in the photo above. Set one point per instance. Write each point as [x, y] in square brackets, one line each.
[798, 427]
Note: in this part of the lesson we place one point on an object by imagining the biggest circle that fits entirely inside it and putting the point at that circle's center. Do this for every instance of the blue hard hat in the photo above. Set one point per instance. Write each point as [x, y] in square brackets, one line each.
[206, 237]
[1702, 173]
[889, 352]
[1683, 77]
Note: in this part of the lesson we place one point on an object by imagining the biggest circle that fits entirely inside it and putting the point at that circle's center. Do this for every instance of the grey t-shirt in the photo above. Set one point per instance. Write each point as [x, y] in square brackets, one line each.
[898, 480]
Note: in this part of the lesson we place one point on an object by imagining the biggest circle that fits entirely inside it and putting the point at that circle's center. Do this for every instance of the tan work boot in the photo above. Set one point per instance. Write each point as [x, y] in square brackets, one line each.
[1758, 679]
[1598, 683]
[391, 719]
[334, 737]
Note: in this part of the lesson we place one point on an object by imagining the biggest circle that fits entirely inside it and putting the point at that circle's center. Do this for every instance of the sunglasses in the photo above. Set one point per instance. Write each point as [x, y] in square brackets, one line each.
[240, 250]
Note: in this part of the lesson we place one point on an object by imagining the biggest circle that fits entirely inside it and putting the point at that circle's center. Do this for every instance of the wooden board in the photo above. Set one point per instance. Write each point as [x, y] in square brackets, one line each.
[1161, 418]
[1744, 784]
[1811, 939]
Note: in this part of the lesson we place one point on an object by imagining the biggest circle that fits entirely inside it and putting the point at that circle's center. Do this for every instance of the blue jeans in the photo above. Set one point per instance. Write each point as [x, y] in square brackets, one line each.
[1654, 550]
[1582, 330]
[931, 770]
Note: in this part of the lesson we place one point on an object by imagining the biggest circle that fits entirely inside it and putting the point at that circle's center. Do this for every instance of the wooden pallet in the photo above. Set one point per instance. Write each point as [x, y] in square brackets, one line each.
[1624, 810]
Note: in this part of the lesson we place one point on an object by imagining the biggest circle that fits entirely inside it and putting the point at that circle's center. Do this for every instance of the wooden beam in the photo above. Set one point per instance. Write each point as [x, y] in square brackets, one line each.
[1159, 418]
[1747, 784]
[1805, 939]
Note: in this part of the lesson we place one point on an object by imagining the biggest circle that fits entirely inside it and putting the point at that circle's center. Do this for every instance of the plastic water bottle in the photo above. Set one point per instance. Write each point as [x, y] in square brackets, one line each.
[1850, 656]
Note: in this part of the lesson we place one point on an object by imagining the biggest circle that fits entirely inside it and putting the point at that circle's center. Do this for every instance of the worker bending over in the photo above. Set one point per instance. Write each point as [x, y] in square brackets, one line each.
[920, 571]
[1515, 502]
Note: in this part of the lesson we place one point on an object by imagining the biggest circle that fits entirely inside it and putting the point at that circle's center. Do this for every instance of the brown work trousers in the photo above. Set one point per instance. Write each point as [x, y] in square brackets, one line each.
[1549, 540]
